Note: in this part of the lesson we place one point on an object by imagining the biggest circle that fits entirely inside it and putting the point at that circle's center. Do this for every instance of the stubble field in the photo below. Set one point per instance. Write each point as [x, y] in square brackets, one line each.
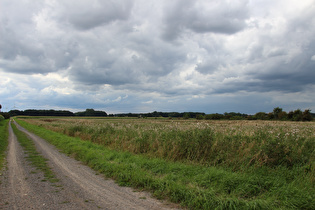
[200, 164]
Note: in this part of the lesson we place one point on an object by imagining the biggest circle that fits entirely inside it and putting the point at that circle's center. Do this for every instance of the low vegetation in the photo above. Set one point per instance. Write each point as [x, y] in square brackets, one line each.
[236, 144]
[33, 156]
[3, 139]
[200, 164]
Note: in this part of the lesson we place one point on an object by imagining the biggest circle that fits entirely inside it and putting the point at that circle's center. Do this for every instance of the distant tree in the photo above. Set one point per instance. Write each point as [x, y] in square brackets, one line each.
[6, 115]
[260, 116]
[306, 115]
[282, 116]
[89, 112]
[290, 115]
[215, 116]
[199, 117]
[270, 116]
[276, 112]
[297, 115]
[186, 115]
[236, 117]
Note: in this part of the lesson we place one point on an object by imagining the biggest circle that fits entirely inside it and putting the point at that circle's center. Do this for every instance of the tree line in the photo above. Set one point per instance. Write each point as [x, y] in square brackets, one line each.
[279, 114]
[51, 112]
[276, 114]
[160, 114]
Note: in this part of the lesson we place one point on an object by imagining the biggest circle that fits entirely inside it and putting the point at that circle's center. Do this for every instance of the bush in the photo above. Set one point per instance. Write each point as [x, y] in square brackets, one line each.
[260, 116]
[199, 117]
[5, 115]
[1, 118]
[297, 115]
[214, 116]
[306, 116]
[186, 116]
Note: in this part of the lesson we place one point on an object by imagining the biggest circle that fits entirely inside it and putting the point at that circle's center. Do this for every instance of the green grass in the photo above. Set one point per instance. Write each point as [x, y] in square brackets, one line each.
[4, 134]
[33, 156]
[194, 186]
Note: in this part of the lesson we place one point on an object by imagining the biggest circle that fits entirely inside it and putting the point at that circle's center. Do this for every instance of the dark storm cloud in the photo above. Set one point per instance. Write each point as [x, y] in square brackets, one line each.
[85, 15]
[125, 60]
[224, 17]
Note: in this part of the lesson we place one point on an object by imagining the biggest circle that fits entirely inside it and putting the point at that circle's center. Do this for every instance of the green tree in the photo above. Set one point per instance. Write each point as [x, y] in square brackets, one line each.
[199, 117]
[260, 116]
[282, 116]
[215, 116]
[297, 115]
[290, 115]
[306, 115]
[186, 115]
[89, 112]
[276, 112]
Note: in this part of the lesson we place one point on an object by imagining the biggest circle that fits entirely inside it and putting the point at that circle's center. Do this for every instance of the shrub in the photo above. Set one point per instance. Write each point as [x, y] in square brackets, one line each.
[260, 116]
[214, 116]
[186, 116]
[5, 115]
[306, 116]
[199, 117]
[297, 115]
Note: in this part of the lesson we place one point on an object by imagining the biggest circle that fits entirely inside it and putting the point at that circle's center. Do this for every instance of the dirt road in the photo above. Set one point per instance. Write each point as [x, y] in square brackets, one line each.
[79, 187]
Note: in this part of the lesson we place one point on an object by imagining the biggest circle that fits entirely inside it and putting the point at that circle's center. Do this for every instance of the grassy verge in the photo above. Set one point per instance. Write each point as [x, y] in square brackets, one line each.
[34, 157]
[4, 133]
[197, 187]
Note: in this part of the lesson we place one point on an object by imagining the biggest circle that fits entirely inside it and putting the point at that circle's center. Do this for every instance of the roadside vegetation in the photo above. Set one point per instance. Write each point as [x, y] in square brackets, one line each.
[200, 164]
[36, 159]
[4, 133]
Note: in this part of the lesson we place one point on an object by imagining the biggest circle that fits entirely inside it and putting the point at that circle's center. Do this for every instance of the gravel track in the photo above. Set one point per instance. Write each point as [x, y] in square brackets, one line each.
[79, 186]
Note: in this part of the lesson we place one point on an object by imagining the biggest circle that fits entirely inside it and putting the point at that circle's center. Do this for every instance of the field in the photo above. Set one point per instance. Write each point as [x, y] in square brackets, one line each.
[200, 164]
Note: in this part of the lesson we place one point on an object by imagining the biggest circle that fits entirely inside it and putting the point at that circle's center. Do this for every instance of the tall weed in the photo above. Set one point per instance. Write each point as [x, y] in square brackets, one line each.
[235, 145]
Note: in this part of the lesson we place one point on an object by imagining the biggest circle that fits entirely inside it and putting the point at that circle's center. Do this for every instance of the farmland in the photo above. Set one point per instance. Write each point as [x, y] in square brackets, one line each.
[200, 164]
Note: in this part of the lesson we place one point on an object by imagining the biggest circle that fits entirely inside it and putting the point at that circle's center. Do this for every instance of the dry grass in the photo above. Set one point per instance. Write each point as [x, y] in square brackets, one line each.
[232, 143]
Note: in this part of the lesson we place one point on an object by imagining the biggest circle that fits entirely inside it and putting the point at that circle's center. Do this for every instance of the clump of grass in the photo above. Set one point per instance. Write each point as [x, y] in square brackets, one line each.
[33, 156]
[194, 186]
[4, 133]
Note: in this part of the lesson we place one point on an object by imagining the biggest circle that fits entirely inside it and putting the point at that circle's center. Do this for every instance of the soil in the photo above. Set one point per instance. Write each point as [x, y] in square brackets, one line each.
[79, 187]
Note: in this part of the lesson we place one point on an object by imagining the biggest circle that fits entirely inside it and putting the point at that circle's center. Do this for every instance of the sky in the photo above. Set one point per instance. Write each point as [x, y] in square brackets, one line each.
[140, 56]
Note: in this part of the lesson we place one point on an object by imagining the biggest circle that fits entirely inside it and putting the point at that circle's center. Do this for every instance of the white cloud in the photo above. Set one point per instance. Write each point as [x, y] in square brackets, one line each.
[148, 102]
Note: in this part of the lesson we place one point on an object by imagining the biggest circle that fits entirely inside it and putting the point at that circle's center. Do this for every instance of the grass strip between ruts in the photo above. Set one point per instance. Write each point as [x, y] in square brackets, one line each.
[33, 156]
[195, 187]
[4, 134]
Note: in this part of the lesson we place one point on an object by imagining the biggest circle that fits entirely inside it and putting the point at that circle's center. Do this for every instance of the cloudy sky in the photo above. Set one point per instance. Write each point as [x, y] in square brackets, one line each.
[140, 56]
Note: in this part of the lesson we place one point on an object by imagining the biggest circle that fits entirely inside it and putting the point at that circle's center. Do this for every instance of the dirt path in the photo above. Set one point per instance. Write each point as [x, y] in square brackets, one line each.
[79, 186]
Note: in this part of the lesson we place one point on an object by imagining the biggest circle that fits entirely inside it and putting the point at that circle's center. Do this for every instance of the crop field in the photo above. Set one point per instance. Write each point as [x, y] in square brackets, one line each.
[198, 163]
